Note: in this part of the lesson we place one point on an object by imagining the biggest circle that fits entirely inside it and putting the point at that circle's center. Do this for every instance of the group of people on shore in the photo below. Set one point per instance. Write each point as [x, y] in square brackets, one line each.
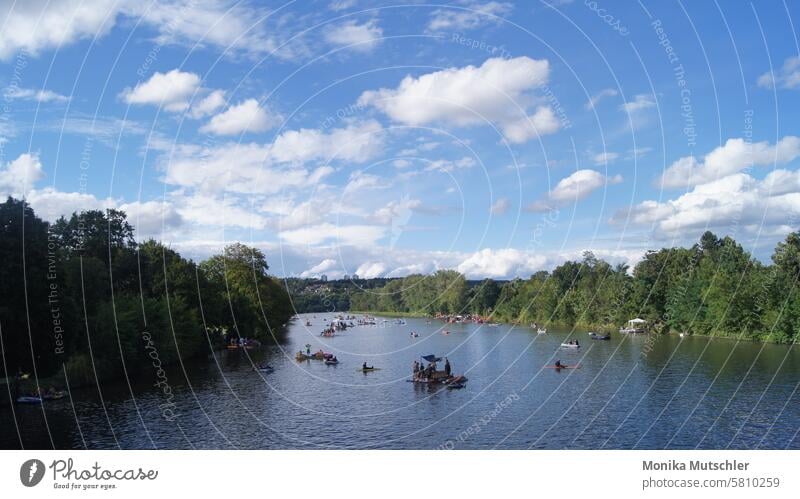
[427, 373]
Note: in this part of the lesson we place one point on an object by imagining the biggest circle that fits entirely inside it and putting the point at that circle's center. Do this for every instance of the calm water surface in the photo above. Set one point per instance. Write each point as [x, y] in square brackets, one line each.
[630, 392]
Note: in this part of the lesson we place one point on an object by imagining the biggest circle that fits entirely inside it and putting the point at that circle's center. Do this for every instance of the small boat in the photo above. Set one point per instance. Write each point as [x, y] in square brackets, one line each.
[596, 336]
[367, 369]
[54, 395]
[570, 345]
[456, 386]
[265, 368]
[445, 332]
[29, 400]
[331, 362]
[308, 323]
[541, 331]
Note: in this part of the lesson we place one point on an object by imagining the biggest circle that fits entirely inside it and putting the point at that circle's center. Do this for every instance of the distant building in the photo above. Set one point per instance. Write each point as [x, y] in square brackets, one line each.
[346, 277]
[323, 278]
[355, 277]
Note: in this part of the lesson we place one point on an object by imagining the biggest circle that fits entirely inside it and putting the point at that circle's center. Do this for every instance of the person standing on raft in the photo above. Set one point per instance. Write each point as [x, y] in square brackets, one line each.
[447, 368]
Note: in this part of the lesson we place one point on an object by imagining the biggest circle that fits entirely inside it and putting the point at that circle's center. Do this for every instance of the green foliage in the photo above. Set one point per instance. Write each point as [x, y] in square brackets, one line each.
[713, 288]
[83, 294]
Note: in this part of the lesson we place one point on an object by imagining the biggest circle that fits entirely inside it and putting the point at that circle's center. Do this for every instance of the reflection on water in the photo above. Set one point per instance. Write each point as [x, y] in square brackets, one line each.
[630, 392]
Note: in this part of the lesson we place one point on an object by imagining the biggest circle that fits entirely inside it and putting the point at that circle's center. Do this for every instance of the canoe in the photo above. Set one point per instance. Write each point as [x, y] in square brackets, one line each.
[578, 366]
[455, 386]
[596, 336]
[29, 400]
[361, 369]
[567, 345]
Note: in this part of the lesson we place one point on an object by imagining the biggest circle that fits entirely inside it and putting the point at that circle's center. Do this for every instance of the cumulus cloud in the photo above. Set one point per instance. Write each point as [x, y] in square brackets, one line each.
[596, 98]
[735, 155]
[574, 188]
[172, 90]
[738, 199]
[17, 177]
[34, 26]
[208, 105]
[499, 91]
[357, 142]
[449, 166]
[152, 218]
[248, 116]
[468, 14]
[354, 36]
[788, 76]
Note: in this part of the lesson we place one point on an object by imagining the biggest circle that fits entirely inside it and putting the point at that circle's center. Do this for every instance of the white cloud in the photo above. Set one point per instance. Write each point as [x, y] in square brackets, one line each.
[371, 270]
[501, 263]
[469, 14]
[498, 91]
[220, 211]
[604, 158]
[358, 37]
[34, 95]
[357, 142]
[448, 166]
[339, 5]
[596, 98]
[172, 90]
[248, 116]
[152, 218]
[359, 181]
[37, 25]
[788, 76]
[735, 155]
[337, 235]
[500, 207]
[326, 265]
[574, 188]
[734, 200]
[396, 213]
[17, 177]
[638, 110]
[208, 105]
[50, 203]
[237, 28]
[235, 168]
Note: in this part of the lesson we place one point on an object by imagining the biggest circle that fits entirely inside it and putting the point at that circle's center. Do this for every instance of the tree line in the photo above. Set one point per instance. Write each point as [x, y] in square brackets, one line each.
[83, 294]
[713, 288]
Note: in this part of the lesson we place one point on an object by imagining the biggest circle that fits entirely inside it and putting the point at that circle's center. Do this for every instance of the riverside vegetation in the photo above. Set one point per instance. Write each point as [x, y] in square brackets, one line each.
[82, 293]
[713, 288]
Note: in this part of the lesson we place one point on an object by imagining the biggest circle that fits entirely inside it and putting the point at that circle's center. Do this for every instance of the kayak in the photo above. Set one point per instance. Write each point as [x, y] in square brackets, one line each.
[29, 400]
[567, 345]
[596, 336]
[455, 386]
[578, 366]
[265, 369]
[331, 362]
[53, 396]
[368, 369]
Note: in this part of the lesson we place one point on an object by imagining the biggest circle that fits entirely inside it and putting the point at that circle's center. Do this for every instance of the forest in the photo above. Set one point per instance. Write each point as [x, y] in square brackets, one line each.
[81, 295]
[713, 288]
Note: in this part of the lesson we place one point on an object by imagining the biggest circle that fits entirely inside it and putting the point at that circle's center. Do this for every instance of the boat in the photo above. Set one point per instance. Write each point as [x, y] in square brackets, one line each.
[308, 323]
[54, 395]
[570, 345]
[634, 326]
[368, 369]
[265, 368]
[331, 362]
[596, 336]
[541, 331]
[455, 386]
[25, 399]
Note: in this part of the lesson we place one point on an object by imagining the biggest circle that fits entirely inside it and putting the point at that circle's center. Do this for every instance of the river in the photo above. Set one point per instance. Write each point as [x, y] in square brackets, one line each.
[641, 392]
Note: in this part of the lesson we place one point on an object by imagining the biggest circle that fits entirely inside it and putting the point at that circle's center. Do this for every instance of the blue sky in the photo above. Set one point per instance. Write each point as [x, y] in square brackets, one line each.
[348, 136]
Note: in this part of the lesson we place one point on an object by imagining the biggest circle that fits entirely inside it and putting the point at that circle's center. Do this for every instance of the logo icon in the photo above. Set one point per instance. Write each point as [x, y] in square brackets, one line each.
[31, 472]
